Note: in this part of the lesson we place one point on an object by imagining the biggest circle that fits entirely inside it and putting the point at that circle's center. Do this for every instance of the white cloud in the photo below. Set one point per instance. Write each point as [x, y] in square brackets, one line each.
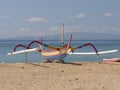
[22, 29]
[73, 28]
[37, 19]
[103, 29]
[81, 15]
[70, 16]
[54, 28]
[78, 16]
[92, 28]
[108, 14]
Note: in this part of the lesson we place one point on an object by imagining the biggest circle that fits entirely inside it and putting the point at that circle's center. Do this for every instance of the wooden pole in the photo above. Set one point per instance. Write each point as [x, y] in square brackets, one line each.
[62, 36]
[26, 57]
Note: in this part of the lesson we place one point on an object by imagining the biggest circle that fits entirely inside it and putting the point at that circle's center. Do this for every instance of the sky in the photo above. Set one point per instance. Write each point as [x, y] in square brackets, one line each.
[45, 17]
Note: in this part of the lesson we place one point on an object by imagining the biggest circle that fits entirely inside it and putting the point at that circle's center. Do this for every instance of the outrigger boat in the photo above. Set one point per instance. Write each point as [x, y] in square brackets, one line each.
[57, 53]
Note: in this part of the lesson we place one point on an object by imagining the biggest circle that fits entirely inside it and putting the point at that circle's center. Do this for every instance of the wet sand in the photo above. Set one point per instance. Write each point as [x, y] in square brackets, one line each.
[57, 76]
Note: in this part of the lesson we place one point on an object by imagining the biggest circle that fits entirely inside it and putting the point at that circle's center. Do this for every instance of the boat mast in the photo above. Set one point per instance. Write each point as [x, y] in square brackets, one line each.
[62, 36]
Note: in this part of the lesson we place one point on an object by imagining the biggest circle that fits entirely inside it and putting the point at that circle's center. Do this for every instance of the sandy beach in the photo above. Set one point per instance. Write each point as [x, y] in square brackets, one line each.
[57, 76]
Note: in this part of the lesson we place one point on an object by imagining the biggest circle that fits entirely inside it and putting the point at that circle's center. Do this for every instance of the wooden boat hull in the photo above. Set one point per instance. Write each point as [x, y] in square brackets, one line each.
[55, 54]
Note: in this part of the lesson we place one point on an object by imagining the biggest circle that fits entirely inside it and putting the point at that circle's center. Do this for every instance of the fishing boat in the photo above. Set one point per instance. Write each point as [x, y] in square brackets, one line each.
[57, 53]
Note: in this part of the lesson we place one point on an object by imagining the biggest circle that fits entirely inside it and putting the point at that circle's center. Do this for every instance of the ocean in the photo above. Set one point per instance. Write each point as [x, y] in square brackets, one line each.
[7, 46]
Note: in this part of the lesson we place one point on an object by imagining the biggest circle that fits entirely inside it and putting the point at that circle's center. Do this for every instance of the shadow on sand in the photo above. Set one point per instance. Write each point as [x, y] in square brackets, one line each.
[67, 63]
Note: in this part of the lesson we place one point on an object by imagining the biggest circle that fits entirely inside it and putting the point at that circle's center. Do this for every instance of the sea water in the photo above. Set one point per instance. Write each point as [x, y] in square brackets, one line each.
[7, 46]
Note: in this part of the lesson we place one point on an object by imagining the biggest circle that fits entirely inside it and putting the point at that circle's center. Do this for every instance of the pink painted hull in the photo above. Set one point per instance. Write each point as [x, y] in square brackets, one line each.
[112, 60]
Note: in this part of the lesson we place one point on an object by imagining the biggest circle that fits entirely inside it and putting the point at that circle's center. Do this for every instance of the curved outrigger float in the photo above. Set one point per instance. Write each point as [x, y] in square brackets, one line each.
[57, 53]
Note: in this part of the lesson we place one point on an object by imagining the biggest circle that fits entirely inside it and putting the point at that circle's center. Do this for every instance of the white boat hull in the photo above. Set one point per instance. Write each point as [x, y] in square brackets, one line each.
[93, 53]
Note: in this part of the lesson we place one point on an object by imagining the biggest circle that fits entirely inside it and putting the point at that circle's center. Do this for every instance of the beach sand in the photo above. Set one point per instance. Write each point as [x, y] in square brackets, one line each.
[57, 76]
